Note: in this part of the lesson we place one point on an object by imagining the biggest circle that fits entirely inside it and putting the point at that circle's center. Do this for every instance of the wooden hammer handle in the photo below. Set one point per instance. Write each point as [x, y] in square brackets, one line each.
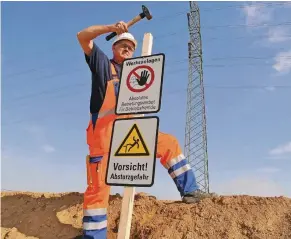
[133, 21]
[129, 24]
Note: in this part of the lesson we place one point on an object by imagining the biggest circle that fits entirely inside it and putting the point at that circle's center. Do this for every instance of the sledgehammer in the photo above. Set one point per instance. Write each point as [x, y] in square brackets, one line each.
[145, 13]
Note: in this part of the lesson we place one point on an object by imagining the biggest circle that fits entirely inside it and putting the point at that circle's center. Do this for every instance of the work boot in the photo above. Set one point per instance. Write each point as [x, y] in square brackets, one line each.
[196, 196]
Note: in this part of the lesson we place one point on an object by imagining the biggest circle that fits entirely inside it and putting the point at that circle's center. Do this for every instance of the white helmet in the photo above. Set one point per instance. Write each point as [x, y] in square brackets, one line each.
[126, 36]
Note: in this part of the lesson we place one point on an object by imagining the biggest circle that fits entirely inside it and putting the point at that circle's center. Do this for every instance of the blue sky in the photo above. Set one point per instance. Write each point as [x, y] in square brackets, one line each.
[46, 88]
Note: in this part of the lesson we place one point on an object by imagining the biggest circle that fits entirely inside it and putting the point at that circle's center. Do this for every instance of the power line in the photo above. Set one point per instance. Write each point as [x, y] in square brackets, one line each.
[159, 37]
[173, 93]
[172, 71]
[250, 25]
[50, 91]
[58, 89]
[31, 70]
[55, 74]
[64, 44]
[176, 14]
[239, 58]
[244, 37]
[179, 13]
[244, 5]
[227, 65]
[180, 61]
[176, 61]
[238, 64]
[250, 57]
[224, 26]
[241, 87]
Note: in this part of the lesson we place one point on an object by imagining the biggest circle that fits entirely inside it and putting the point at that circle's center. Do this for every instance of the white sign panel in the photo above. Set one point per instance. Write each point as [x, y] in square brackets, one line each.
[140, 86]
[132, 153]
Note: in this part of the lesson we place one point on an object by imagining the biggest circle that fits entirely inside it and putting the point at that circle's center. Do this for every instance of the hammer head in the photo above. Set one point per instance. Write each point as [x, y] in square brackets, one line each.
[146, 13]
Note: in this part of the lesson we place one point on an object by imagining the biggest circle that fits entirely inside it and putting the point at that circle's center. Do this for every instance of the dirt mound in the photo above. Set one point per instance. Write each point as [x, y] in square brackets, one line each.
[48, 216]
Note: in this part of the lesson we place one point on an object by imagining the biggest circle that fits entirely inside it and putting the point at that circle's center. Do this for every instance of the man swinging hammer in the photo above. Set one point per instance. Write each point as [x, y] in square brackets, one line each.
[105, 74]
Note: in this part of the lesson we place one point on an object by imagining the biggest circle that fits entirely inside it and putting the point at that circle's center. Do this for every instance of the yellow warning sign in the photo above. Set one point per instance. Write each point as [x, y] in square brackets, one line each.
[133, 144]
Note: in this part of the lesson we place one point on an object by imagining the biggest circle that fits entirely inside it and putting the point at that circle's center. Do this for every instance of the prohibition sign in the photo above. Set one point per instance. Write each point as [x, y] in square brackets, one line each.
[137, 77]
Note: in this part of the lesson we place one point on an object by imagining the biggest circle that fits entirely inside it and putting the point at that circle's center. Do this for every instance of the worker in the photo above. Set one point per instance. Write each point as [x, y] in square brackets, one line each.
[105, 80]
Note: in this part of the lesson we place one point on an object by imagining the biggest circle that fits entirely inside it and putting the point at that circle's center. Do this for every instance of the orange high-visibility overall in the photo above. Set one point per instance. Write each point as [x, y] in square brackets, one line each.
[98, 139]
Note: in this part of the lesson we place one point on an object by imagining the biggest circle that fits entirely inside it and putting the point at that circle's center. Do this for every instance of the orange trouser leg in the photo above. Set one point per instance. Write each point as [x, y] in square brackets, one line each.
[96, 199]
[172, 158]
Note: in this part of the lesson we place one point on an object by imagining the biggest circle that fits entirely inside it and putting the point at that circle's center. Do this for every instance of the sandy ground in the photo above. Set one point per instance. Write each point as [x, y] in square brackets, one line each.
[49, 216]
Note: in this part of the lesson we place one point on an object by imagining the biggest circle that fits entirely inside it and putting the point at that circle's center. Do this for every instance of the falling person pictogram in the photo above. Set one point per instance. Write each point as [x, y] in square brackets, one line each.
[136, 142]
[133, 144]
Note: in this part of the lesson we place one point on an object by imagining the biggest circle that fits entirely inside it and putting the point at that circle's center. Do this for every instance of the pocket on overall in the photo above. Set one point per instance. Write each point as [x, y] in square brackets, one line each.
[95, 138]
[95, 171]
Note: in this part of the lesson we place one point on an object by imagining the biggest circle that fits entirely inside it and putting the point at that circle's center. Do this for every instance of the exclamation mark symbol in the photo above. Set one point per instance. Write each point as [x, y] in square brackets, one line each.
[146, 166]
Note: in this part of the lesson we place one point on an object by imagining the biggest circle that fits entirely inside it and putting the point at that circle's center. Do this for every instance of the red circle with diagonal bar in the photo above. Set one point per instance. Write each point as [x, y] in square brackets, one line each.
[135, 75]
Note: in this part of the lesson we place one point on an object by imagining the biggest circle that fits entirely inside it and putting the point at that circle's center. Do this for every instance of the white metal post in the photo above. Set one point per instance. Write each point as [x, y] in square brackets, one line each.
[129, 192]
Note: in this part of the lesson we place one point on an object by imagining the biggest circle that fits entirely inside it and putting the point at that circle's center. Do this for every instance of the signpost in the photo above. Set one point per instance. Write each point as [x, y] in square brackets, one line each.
[132, 156]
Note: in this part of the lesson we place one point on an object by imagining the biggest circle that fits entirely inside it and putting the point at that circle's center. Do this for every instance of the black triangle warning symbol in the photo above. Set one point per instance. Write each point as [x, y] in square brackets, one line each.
[133, 144]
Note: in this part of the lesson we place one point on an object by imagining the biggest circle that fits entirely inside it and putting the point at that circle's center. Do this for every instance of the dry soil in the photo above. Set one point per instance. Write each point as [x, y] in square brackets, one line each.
[51, 216]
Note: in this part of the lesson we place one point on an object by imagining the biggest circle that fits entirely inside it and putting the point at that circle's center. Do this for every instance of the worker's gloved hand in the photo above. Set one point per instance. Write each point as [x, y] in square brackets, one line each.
[121, 27]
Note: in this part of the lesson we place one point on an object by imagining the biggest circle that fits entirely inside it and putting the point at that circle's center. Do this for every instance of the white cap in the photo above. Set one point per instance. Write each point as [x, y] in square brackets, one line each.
[126, 36]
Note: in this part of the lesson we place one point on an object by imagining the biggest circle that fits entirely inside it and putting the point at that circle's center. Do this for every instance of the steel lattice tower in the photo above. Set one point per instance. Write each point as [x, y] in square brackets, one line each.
[195, 131]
